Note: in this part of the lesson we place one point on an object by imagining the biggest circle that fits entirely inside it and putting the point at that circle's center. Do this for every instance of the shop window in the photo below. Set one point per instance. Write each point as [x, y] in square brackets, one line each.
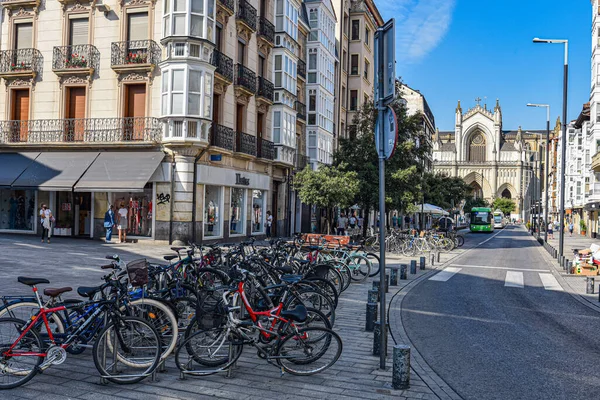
[258, 205]
[237, 214]
[139, 208]
[17, 209]
[212, 211]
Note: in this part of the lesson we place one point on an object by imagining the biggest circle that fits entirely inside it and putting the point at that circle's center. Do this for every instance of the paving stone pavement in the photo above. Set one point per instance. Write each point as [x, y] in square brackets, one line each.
[75, 263]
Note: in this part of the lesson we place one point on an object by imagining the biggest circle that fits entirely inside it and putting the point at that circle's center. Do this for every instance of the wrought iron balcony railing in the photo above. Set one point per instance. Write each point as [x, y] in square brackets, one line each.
[134, 53]
[222, 137]
[266, 149]
[247, 14]
[301, 69]
[265, 88]
[300, 110]
[228, 4]
[20, 61]
[266, 29]
[81, 130]
[245, 143]
[224, 65]
[245, 77]
[301, 161]
[81, 56]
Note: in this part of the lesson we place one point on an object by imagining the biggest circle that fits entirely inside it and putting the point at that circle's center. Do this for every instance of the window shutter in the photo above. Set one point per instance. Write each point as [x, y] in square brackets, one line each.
[79, 31]
[24, 36]
[137, 26]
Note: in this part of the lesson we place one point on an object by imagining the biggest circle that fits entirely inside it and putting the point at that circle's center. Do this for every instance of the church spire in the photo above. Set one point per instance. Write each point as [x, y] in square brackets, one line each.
[459, 108]
[497, 108]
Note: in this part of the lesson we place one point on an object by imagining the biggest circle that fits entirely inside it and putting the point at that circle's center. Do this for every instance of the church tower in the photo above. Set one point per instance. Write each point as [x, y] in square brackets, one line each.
[498, 128]
[458, 129]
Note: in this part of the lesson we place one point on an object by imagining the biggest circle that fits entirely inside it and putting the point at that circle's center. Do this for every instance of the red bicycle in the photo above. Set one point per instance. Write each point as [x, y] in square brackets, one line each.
[276, 333]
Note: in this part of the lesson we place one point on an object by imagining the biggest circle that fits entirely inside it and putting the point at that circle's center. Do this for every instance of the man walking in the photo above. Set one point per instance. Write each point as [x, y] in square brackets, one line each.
[109, 222]
[341, 224]
[269, 223]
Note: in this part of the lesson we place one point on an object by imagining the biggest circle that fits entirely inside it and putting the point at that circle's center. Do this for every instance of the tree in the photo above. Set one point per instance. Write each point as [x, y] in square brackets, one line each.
[474, 202]
[444, 191]
[507, 206]
[327, 187]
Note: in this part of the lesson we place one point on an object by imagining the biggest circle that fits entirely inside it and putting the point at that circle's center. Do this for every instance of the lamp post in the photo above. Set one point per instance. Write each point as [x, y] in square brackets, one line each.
[547, 106]
[561, 240]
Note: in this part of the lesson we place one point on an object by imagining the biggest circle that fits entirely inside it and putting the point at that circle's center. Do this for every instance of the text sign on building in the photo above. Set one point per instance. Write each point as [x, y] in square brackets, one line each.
[385, 62]
[240, 180]
[390, 133]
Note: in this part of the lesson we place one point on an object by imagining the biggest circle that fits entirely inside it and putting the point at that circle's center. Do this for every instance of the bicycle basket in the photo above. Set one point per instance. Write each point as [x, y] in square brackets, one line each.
[137, 271]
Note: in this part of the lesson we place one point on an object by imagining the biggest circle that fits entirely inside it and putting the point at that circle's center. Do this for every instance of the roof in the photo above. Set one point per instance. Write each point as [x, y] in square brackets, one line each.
[448, 146]
[508, 146]
[584, 115]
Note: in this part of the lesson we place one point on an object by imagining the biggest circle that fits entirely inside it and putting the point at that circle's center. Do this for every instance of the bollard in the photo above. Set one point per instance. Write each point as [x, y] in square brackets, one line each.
[560, 261]
[413, 266]
[437, 256]
[432, 258]
[589, 285]
[373, 296]
[394, 276]
[387, 283]
[422, 263]
[567, 266]
[377, 332]
[403, 268]
[401, 367]
[376, 288]
[371, 317]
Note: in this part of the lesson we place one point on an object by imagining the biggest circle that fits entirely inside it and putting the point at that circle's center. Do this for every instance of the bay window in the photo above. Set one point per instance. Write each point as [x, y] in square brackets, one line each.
[194, 18]
[186, 91]
[285, 70]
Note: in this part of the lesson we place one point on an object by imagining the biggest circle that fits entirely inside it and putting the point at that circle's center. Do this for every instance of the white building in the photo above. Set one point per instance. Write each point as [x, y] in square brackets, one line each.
[416, 103]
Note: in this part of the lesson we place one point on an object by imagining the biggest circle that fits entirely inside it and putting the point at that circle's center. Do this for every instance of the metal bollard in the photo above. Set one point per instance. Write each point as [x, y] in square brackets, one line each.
[394, 276]
[371, 317]
[413, 266]
[567, 266]
[387, 283]
[373, 296]
[401, 367]
[422, 263]
[377, 332]
[437, 256]
[376, 287]
[403, 268]
[432, 258]
[589, 285]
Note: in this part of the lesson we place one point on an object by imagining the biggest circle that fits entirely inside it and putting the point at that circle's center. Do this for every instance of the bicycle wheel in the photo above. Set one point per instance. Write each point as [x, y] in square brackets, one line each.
[360, 267]
[128, 350]
[408, 248]
[26, 310]
[209, 351]
[16, 371]
[460, 240]
[313, 298]
[374, 258]
[346, 274]
[309, 351]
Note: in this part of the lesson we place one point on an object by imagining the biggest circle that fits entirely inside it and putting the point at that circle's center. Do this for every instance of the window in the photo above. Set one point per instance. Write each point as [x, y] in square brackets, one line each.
[137, 26]
[344, 61]
[237, 214]
[177, 79]
[353, 100]
[195, 91]
[213, 218]
[78, 31]
[179, 14]
[241, 52]
[366, 71]
[286, 18]
[277, 126]
[218, 37]
[258, 206]
[17, 209]
[354, 64]
[189, 18]
[344, 96]
[355, 30]
[24, 35]
[197, 18]
[365, 98]
[367, 35]
[312, 102]
[286, 71]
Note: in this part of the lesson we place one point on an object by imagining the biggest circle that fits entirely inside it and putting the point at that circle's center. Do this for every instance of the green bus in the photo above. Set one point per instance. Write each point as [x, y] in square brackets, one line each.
[482, 219]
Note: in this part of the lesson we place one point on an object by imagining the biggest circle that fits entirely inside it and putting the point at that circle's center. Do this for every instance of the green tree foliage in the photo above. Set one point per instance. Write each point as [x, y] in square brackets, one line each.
[444, 191]
[507, 206]
[474, 202]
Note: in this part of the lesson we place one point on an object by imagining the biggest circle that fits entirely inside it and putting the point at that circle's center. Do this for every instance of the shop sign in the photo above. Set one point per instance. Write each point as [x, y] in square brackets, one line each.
[240, 180]
[65, 207]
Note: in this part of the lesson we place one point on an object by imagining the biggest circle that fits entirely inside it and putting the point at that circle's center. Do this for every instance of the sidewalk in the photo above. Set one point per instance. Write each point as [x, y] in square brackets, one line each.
[355, 375]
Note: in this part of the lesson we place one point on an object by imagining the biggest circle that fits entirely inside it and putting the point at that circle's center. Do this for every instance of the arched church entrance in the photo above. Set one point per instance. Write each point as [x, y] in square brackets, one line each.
[477, 191]
[506, 194]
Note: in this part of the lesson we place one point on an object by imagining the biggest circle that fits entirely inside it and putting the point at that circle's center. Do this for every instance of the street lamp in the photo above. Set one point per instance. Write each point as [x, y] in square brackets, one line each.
[561, 240]
[547, 163]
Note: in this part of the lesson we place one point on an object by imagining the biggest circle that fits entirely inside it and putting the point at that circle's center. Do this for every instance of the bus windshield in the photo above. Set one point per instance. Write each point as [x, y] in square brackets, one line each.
[480, 218]
[497, 218]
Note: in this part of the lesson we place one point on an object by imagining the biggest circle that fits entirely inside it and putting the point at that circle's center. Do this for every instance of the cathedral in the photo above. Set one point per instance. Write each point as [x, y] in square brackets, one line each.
[493, 161]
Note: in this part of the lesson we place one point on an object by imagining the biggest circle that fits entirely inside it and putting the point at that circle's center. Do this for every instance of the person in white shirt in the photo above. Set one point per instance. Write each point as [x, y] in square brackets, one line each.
[122, 225]
[46, 222]
[269, 223]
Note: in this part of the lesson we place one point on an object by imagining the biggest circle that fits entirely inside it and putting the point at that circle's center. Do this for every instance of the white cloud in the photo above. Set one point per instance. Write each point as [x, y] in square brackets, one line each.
[420, 25]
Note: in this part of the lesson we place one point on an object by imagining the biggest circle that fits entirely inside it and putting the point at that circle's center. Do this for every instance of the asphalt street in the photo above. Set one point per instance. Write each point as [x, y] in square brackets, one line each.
[496, 324]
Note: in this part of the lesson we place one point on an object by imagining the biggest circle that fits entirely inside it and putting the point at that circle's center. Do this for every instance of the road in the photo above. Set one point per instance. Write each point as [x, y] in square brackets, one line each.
[496, 324]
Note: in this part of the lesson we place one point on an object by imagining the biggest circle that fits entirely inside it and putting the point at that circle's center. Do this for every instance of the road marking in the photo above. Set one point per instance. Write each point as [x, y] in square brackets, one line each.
[502, 268]
[77, 254]
[446, 274]
[550, 282]
[30, 245]
[514, 279]
[487, 240]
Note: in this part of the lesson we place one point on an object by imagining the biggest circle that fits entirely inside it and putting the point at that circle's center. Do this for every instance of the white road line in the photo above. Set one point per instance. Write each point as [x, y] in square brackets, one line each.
[550, 282]
[514, 279]
[77, 254]
[487, 240]
[502, 268]
[30, 245]
[446, 274]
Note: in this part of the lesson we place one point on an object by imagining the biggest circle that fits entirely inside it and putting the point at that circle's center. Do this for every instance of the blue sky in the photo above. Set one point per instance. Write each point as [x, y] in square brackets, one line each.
[454, 50]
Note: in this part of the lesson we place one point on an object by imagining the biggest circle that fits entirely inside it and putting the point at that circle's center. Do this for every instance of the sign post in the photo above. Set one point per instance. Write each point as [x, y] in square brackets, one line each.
[386, 128]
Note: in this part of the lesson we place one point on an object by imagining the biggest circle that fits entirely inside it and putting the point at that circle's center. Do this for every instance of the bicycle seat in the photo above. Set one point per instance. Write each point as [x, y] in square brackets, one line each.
[170, 257]
[54, 292]
[177, 248]
[298, 314]
[88, 291]
[32, 281]
[288, 278]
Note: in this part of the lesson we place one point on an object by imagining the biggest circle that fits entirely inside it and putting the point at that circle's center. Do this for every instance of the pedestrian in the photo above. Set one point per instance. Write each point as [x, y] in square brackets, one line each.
[46, 219]
[571, 228]
[352, 222]
[122, 225]
[406, 222]
[341, 224]
[109, 222]
[395, 221]
[269, 223]
[550, 231]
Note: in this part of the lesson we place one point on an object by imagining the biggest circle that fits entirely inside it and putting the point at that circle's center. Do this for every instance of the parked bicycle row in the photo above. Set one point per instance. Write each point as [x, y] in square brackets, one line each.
[203, 307]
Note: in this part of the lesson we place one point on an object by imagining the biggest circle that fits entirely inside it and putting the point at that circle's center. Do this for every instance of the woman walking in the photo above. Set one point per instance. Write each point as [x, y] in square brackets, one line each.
[109, 222]
[122, 226]
[46, 220]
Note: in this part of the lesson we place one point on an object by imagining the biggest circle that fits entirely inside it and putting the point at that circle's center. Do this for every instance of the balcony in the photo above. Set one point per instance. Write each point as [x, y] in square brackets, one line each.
[82, 59]
[300, 111]
[301, 69]
[134, 55]
[246, 15]
[265, 90]
[21, 63]
[266, 31]
[84, 131]
[222, 137]
[245, 79]
[227, 6]
[224, 64]
[17, 4]
[266, 149]
[245, 144]
[301, 161]
[596, 162]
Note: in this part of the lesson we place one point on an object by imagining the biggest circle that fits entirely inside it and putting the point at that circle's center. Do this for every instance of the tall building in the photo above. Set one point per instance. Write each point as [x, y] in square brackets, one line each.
[417, 104]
